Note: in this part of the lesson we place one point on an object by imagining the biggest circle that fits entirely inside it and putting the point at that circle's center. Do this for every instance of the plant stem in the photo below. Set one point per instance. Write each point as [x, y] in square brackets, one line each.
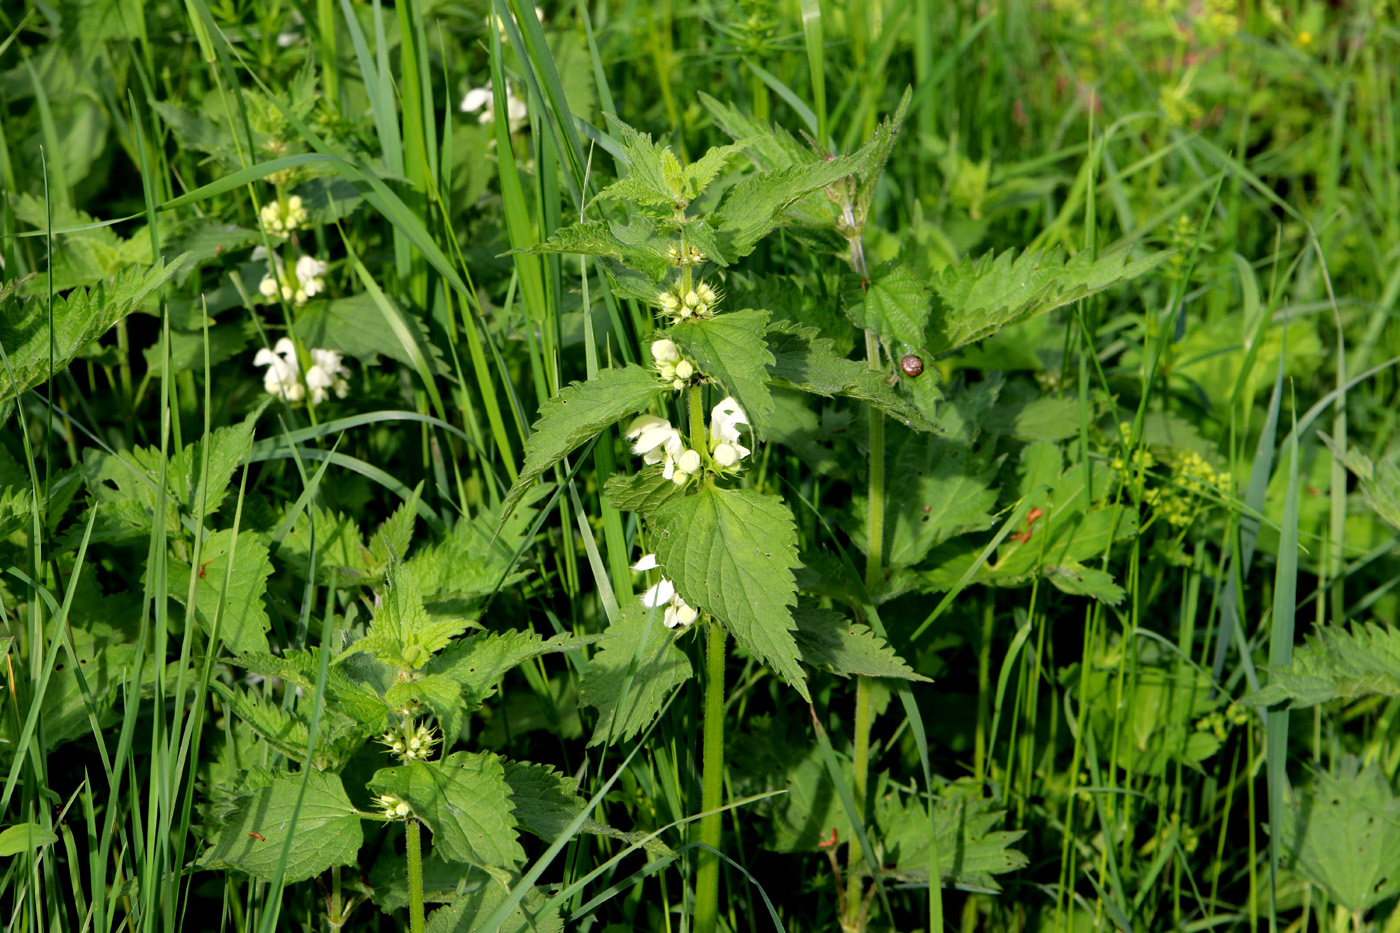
[874, 573]
[695, 398]
[707, 877]
[415, 876]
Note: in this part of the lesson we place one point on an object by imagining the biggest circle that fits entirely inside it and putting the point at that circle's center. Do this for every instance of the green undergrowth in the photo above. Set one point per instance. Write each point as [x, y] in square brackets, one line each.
[717, 466]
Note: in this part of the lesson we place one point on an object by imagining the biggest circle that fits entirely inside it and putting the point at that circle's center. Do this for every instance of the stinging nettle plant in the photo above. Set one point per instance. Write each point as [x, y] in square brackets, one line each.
[733, 345]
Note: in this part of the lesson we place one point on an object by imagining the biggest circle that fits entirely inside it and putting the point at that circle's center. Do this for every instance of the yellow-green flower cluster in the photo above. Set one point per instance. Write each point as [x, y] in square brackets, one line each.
[281, 217]
[698, 302]
[1194, 482]
[411, 742]
[690, 256]
[395, 808]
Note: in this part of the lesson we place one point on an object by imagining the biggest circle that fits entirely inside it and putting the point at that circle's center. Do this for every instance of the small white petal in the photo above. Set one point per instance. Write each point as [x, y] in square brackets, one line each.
[660, 594]
[642, 423]
[648, 562]
[476, 98]
[664, 351]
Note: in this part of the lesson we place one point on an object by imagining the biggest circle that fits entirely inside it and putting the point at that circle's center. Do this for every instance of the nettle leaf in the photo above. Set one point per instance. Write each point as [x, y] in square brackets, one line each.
[970, 849]
[754, 207]
[729, 349]
[769, 147]
[1343, 835]
[828, 640]
[702, 171]
[464, 800]
[326, 832]
[654, 175]
[976, 298]
[1380, 482]
[355, 326]
[1078, 580]
[631, 245]
[79, 318]
[935, 488]
[732, 553]
[358, 701]
[402, 633]
[892, 303]
[478, 662]
[642, 492]
[803, 360]
[470, 913]
[1336, 664]
[639, 656]
[577, 414]
[437, 692]
[544, 803]
[242, 618]
[479, 554]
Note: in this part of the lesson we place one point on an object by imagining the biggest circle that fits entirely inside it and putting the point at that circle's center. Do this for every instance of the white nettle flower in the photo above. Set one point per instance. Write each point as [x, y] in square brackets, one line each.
[669, 364]
[725, 419]
[309, 273]
[327, 372]
[658, 442]
[483, 99]
[678, 611]
[283, 376]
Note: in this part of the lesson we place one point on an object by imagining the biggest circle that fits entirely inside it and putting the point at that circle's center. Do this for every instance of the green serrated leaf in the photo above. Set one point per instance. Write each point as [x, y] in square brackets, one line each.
[654, 176]
[464, 800]
[970, 850]
[703, 171]
[729, 349]
[640, 656]
[803, 360]
[1078, 580]
[402, 633]
[830, 641]
[642, 492]
[437, 692]
[577, 414]
[893, 303]
[480, 661]
[1343, 835]
[871, 159]
[770, 147]
[326, 832]
[545, 802]
[732, 553]
[754, 207]
[242, 618]
[470, 913]
[1336, 664]
[632, 245]
[976, 298]
[79, 318]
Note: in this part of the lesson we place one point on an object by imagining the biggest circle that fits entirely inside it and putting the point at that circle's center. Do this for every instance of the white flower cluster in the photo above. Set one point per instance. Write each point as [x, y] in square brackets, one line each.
[282, 217]
[283, 377]
[308, 282]
[698, 302]
[678, 611]
[411, 744]
[657, 441]
[690, 257]
[481, 98]
[669, 364]
[395, 808]
[725, 419]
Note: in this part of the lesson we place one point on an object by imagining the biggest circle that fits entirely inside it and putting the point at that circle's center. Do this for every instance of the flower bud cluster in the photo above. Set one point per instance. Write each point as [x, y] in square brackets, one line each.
[282, 217]
[673, 369]
[284, 376]
[689, 256]
[698, 302]
[308, 282]
[411, 742]
[395, 808]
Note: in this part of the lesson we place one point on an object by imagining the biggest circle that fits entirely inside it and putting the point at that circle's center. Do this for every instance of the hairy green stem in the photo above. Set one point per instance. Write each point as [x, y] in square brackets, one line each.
[695, 399]
[415, 876]
[707, 877]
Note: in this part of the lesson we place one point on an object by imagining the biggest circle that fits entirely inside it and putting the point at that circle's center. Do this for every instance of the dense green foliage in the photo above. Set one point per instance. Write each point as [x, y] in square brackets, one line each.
[733, 465]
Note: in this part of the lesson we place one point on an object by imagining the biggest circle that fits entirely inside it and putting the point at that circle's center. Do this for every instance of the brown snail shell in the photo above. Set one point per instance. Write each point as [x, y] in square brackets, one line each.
[912, 364]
